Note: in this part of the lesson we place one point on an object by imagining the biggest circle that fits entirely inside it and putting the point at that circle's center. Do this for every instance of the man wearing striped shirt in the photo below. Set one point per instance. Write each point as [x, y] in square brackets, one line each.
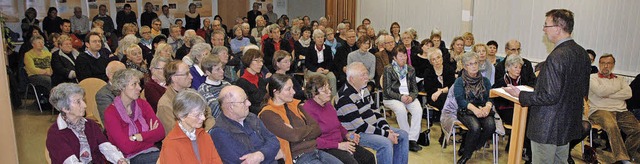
[355, 114]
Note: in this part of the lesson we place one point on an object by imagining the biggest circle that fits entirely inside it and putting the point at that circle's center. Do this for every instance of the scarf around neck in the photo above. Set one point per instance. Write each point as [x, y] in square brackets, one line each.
[131, 120]
[473, 86]
[305, 43]
[401, 71]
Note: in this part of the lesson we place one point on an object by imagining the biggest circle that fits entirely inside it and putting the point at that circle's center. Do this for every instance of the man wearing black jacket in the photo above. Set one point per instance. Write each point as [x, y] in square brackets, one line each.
[340, 59]
[527, 75]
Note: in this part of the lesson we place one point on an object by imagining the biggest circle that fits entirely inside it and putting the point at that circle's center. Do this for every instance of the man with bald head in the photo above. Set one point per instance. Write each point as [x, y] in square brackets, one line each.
[80, 24]
[527, 75]
[240, 136]
[106, 94]
[355, 113]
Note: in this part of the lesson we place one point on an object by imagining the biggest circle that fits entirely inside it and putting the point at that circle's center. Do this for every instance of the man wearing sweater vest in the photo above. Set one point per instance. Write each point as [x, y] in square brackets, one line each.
[607, 95]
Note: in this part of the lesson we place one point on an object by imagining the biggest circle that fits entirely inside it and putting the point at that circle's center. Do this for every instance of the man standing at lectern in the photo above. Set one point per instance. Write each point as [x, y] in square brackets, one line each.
[556, 104]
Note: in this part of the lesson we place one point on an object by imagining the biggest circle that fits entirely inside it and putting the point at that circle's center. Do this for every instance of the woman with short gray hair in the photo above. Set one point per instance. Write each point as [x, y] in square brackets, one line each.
[198, 52]
[188, 142]
[513, 66]
[130, 122]
[155, 87]
[74, 139]
[319, 60]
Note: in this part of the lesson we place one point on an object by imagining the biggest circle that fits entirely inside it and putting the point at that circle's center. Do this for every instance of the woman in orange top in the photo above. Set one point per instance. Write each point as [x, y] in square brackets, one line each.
[188, 142]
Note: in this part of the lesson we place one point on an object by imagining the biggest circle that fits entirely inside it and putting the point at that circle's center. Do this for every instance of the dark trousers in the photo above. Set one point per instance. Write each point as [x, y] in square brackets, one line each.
[480, 130]
[361, 155]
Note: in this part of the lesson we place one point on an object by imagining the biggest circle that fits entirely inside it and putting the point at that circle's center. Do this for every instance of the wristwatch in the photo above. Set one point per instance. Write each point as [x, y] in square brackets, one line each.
[134, 138]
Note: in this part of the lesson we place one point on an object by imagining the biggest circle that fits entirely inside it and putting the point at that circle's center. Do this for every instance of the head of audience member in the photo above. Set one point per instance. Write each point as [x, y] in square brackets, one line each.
[350, 37]
[274, 32]
[480, 50]
[192, 8]
[134, 54]
[357, 75]
[93, 41]
[435, 57]
[65, 45]
[252, 58]
[99, 31]
[436, 38]
[179, 22]
[156, 24]
[413, 32]
[425, 45]
[558, 24]
[341, 28]
[158, 39]
[400, 57]
[212, 67]
[280, 88]
[246, 29]
[389, 44]
[216, 25]
[380, 42]
[217, 38]
[306, 33]
[317, 88]
[102, 10]
[329, 34]
[145, 32]
[112, 67]
[98, 23]
[30, 13]
[306, 21]
[199, 51]
[282, 61]
[126, 84]
[129, 29]
[363, 44]
[189, 38]
[37, 42]
[470, 64]
[245, 20]
[234, 103]
[188, 109]
[237, 32]
[493, 48]
[77, 12]
[314, 25]
[68, 99]
[318, 38]
[125, 42]
[347, 24]
[148, 7]
[592, 55]
[323, 21]
[206, 23]
[607, 62]
[457, 46]
[468, 39]
[175, 32]
[366, 22]
[260, 21]
[406, 39]
[53, 12]
[218, 18]
[371, 32]
[222, 52]
[126, 8]
[513, 66]
[157, 69]
[177, 75]
[165, 9]
[395, 29]
[164, 50]
[295, 33]
[65, 26]
[512, 47]
[270, 8]
[255, 6]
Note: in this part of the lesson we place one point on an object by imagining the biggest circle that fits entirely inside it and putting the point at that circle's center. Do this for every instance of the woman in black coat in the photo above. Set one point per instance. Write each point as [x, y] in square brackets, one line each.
[320, 64]
[63, 62]
[269, 47]
[438, 78]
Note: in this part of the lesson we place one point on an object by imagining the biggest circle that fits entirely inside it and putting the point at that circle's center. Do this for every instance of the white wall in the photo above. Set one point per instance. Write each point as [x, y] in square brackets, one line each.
[312, 8]
[422, 15]
[604, 26]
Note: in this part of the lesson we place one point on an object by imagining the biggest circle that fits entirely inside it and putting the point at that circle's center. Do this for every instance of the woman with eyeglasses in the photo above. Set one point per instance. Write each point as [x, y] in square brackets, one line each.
[252, 80]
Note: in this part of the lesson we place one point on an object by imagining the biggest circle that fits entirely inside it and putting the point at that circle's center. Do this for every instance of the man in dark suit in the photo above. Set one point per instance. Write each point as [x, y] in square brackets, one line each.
[528, 76]
[556, 104]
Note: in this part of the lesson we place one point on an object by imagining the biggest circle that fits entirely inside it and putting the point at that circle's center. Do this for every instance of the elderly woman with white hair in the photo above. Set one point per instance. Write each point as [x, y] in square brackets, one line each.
[197, 53]
[135, 61]
[257, 32]
[130, 122]
[513, 65]
[74, 139]
[124, 44]
[188, 142]
[319, 60]
[157, 84]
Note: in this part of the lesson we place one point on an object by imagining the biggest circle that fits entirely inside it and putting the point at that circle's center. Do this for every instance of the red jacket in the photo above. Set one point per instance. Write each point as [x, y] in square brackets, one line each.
[177, 148]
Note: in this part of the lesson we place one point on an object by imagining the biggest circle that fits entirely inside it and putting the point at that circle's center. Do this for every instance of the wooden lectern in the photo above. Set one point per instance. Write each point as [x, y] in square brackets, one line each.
[519, 124]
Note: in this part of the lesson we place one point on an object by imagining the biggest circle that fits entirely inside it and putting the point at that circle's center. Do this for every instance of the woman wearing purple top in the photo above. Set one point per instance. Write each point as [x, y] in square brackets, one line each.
[334, 139]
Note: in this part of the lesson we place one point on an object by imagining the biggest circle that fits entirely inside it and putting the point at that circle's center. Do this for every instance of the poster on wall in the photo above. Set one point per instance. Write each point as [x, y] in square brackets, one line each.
[203, 7]
[9, 11]
[263, 5]
[41, 6]
[178, 8]
[65, 7]
[94, 7]
[157, 5]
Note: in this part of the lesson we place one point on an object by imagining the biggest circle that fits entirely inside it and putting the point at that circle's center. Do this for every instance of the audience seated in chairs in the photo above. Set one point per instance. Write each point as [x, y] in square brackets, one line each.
[155, 87]
[438, 78]
[130, 122]
[273, 44]
[74, 139]
[37, 63]
[319, 59]
[197, 53]
[484, 66]
[282, 63]
[252, 81]
[93, 61]
[106, 94]
[210, 88]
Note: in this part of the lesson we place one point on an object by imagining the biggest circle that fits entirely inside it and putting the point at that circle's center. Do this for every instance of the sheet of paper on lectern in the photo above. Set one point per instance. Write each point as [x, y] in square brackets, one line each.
[521, 87]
